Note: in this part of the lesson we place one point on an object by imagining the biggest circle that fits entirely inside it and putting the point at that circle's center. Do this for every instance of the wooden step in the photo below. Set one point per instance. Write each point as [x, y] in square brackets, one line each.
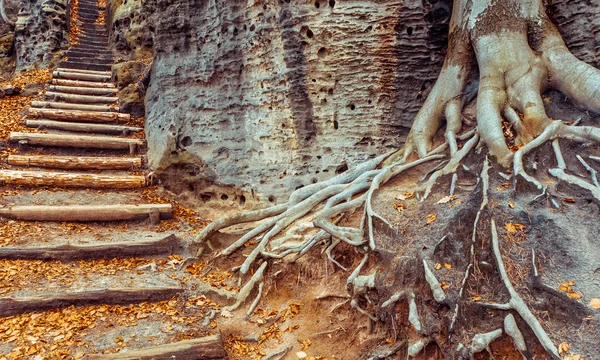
[74, 75]
[205, 348]
[71, 180]
[69, 252]
[95, 72]
[100, 55]
[80, 99]
[78, 115]
[83, 127]
[76, 162]
[89, 60]
[76, 141]
[17, 305]
[67, 106]
[87, 213]
[82, 90]
[85, 66]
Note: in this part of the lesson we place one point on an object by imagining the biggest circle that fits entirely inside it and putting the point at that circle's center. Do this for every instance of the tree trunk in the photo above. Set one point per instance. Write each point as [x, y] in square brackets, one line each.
[86, 213]
[77, 115]
[76, 162]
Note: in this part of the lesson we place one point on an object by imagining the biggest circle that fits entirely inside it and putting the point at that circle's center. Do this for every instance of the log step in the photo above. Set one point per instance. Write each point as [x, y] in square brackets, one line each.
[205, 348]
[67, 106]
[89, 60]
[82, 90]
[76, 162]
[99, 54]
[83, 127]
[77, 141]
[87, 213]
[96, 72]
[17, 305]
[71, 180]
[63, 82]
[78, 115]
[86, 66]
[69, 252]
[73, 75]
[80, 99]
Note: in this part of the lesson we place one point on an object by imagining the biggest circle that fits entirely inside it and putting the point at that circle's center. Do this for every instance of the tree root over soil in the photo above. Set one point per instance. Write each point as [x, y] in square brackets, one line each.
[518, 57]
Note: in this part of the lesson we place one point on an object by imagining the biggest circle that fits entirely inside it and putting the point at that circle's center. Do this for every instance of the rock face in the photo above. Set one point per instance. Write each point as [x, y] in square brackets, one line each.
[268, 96]
[41, 33]
[128, 29]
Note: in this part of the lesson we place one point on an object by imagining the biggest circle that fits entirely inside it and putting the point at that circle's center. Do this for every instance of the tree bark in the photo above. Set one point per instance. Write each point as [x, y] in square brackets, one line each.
[77, 115]
[80, 99]
[76, 162]
[82, 127]
[67, 106]
[77, 141]
[70, 252]
[82, 90]
[86, 213]
[63, 82]
[206, 348]
[17, 305]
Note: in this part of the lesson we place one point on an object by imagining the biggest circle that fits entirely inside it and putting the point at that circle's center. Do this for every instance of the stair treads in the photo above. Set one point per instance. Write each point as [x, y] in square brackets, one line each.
[78, 115]
[106, 250]
[82, 90]
[71, 180]
[17, 305]
[82, 127]
[68, 64]
[105, 73]
[74, 75]
[87, 213]
[77, 141]
[67, 162]
[80, 99]
[68, 106]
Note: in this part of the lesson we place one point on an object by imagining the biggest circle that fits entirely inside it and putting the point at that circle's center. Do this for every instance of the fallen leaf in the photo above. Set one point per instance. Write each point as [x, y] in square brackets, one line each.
[399, 207]
[569, 200]
[563, 347]
[437, 266]
[431, 218]
[571, 282]
[513, 228]
[574, 295]
[448, 266]
[446, 199]
[301, 355]
[389, 341]
[477, 298]
[400, 197]
[595, 303]
[511, 204]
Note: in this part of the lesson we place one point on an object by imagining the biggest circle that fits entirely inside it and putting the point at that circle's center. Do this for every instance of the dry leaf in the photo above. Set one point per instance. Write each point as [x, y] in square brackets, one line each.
[563, 347]
[399, 207]
[389, 341]
[595, 303]
[477, 298]
[431, 218]
[569, 200]
[437, 266]
[574, 295]
[448, 266]
[446, 199]
[511, 204]
[513, 228]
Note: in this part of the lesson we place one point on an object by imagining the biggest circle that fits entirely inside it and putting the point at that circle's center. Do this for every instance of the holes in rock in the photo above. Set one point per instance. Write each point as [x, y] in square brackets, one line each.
[186, 141]
[314, 80]
[322, 52]
[252, 27]
[335, 124]
[271, 199]
[242, 200]
[332, 3]
[235, 31]
[299, 187]
[309, 34]
[314, 180]
[369, 101]
[369, 28]
[317, 4]
[409, 30]
[352, 106]
[330, 91]
[224, 197]
[342, 168]
[206, 197]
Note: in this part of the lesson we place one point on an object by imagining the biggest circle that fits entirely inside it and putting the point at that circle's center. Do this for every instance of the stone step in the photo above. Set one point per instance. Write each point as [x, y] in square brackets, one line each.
[77, 141]
[82, 127]
[117, 249]
[73, 75]
[87, 213]
[17, 305]
[84, 66]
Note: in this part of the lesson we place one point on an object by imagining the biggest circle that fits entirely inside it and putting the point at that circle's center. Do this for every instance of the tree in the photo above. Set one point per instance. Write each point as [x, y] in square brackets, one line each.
[511, 52]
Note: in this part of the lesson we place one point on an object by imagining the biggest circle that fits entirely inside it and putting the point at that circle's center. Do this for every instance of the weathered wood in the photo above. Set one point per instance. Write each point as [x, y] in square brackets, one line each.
[67, 252]
[85, 213]
[71, 180]
[95, 72]
[206, 348]
[68, 106]
[82, 127]
[77, 115]
[63, 82]
[80, 99]
[17, 305]
[77, 141]
[83, 90]
[76, 162]
[73, 75]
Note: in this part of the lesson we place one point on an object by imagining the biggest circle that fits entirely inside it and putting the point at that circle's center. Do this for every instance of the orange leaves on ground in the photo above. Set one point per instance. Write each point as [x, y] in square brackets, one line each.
[399, 207]
[595, 303]
[512, 228]
[29, 77]
[431, 218]
[567, 287]
[563, 347]
[569, 200]
[180, 213]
